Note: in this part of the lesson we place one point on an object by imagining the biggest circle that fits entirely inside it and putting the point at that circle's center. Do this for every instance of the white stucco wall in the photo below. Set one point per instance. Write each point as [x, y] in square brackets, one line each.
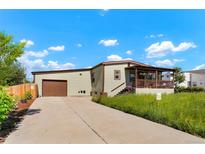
[199, 79]
[109, 82]
[97, 85]
[75, 81]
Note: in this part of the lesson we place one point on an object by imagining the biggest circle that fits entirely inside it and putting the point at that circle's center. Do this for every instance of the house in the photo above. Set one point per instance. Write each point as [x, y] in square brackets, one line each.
[194, 78]
[106, 78]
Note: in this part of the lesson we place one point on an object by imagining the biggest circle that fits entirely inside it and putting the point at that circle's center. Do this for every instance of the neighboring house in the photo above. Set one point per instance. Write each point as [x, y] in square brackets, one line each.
[106, 78]
[194, 78]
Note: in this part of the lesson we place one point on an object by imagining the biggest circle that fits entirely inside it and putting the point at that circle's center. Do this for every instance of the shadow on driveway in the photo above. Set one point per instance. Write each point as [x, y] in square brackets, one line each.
[33, 111]
[13, 121]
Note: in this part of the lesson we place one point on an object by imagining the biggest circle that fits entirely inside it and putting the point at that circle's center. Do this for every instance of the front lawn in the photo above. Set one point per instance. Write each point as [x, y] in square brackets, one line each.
[183, 111]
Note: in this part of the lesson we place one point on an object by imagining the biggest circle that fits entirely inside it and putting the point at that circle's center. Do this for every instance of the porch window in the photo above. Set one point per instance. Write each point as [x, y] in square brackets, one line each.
[151, 76]
[142, 75]
[147, 75]
[117, 75]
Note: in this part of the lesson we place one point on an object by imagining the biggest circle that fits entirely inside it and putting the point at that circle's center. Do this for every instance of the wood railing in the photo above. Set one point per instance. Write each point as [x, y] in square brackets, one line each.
[117, 87]
[154, 84]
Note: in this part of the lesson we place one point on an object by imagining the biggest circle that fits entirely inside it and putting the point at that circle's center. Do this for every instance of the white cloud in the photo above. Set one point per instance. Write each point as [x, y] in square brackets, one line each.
[109, 42]
[56, 66]
[40, 65]
[155, 36]
[32, 64]
[161, 49]
[160, 35]
[151, 36]
[116, 58]
[57, 48]
[37, 54]
[129, 52]
[202, 66]
[184, 46]
[28, 42]
[79, 45]
[88, 67]
[167, 62]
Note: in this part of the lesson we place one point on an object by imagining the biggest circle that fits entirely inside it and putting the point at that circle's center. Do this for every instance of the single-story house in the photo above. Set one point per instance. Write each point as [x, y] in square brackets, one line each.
[106, 78]
[194, 78]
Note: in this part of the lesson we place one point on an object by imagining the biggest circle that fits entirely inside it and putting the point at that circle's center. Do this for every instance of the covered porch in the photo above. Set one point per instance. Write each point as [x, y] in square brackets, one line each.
[149, 77]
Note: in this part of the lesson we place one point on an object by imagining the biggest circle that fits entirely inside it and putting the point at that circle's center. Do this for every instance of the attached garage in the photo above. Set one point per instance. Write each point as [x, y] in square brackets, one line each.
[54, 88]
[75, 82]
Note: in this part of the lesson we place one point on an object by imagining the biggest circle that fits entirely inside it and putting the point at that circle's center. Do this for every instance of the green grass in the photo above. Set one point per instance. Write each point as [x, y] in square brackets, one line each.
[183, 111]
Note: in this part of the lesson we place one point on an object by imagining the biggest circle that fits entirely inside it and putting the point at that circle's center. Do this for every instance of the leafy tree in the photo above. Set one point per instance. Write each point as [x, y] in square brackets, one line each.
[13, 75]
[178, 77]
[11, 70]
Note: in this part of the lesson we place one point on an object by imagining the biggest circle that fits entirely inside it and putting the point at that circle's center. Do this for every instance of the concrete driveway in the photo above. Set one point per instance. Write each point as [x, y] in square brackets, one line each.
[78, 120]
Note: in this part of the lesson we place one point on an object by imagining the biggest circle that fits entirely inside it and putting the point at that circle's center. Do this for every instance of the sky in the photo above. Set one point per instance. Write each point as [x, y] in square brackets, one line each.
[68, 39]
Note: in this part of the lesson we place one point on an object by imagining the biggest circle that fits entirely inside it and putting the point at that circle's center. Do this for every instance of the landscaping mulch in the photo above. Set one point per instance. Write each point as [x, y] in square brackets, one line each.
[14, 118]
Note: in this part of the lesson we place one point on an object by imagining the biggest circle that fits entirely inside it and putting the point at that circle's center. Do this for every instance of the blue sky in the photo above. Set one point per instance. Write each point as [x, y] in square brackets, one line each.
[63, 39]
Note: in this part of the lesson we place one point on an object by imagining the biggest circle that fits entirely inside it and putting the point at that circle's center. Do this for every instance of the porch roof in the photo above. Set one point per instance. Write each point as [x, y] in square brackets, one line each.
[151, 68]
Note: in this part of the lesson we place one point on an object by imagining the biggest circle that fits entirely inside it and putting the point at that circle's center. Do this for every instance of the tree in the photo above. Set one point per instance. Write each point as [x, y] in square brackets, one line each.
[13, 75]
[178, 77]
[11, 71]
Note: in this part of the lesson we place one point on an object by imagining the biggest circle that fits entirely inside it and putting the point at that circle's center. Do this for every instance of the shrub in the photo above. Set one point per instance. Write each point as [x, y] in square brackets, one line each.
[7, 104]
[188, 89]
[28, 95]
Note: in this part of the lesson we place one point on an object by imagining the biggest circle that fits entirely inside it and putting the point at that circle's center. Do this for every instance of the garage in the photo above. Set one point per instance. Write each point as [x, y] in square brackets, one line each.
[54, 88]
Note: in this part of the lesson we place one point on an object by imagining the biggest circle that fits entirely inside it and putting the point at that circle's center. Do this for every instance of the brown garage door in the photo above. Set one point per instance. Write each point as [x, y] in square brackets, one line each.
[54, 88]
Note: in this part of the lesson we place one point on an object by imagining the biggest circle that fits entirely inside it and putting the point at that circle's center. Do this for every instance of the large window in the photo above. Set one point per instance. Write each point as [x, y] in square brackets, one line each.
[151, 76]
[117, 75]
[141, 75]
[146, 75]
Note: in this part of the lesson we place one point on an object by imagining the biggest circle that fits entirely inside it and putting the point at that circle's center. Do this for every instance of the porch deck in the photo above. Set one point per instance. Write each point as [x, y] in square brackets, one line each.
[150, 77]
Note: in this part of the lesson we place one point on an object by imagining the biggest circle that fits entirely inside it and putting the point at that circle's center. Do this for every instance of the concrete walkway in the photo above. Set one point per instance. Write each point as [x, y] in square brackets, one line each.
[78, 120]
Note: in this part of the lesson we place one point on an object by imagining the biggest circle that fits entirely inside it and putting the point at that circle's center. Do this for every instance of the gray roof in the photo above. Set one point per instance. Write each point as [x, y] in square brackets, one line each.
[201, 71]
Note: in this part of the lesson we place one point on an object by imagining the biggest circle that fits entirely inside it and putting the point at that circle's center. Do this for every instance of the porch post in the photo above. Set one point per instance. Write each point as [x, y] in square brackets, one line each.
[173, 79]
[156, 73]
[136, 76]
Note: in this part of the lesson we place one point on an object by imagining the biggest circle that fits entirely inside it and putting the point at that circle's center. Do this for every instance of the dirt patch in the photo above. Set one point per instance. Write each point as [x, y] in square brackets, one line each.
[23, 106]
[14, 118]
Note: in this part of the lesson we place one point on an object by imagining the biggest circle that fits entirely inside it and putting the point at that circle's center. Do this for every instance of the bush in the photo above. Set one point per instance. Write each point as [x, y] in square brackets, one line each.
[189, 89]
[27, 95]
[7, 104]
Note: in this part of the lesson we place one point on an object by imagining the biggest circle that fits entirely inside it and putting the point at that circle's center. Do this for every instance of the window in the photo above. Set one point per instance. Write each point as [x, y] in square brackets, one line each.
[117, 75]
[151, 76]
[194, 84]
[93, 77]
[141, 75]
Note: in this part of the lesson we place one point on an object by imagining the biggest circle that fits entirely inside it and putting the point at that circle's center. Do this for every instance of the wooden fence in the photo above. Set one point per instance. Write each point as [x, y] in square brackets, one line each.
[19, 90]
